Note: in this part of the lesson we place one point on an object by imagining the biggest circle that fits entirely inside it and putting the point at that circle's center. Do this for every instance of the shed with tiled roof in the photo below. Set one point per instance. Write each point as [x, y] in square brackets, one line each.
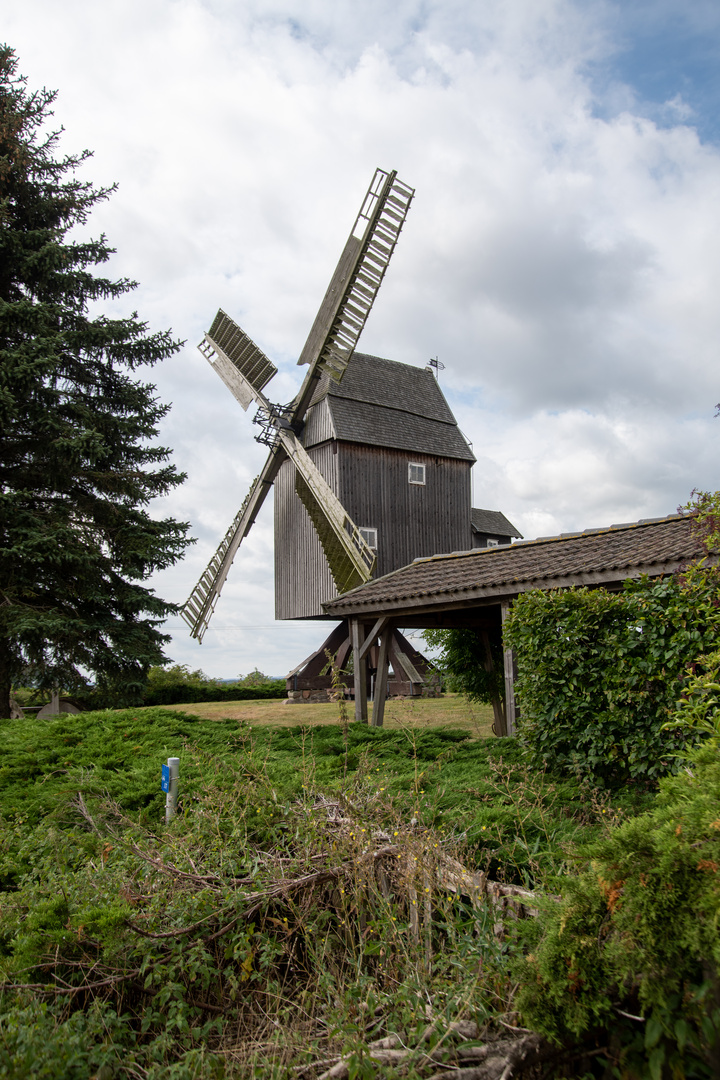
[490, 528]
[474, 588]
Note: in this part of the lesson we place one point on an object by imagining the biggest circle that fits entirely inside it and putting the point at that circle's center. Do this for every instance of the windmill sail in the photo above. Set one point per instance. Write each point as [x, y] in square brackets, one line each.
[243, 367]
[355, 283]
[246, 370]
[199, 606]
[350, 559]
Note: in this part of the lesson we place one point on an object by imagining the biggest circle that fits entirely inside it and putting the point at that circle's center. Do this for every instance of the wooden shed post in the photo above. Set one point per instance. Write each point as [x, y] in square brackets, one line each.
[498, 706]
[357, 635]
[509, 663]
[381, 676]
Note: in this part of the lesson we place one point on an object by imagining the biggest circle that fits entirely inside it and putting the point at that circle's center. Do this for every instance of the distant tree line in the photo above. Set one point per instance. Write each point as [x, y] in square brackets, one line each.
[178, 685]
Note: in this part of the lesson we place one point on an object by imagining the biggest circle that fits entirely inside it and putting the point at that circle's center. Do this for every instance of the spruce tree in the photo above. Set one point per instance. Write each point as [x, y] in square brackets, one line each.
[78, 465]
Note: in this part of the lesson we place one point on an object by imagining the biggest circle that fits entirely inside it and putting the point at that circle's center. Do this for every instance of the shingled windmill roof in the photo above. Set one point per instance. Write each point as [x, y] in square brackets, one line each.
[384, 403]
[492, 522]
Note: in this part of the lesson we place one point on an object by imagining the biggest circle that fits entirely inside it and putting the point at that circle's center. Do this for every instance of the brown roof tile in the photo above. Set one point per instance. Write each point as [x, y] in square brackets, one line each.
[485, 575]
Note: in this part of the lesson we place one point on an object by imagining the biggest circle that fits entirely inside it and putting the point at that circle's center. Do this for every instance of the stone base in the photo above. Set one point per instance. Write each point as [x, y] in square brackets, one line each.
[431, 690]
[308, 697]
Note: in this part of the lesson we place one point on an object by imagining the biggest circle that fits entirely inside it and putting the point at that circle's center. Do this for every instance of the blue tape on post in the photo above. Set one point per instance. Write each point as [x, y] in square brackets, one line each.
[165, 782]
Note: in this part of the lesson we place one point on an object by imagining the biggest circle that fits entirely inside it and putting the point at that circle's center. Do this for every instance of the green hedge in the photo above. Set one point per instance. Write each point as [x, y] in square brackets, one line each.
[600, 673]
[186, 693]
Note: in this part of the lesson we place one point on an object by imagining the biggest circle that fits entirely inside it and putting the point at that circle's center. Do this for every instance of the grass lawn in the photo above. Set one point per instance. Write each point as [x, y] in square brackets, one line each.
[450, 709]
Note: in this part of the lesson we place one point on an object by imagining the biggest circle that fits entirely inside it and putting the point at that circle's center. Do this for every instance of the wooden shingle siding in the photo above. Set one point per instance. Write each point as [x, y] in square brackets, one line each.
[362, 433]
[302, 575]
[492, 523]
[318, 425]
[412, 520]
[375, 381]
[384, 403]
[375, 425]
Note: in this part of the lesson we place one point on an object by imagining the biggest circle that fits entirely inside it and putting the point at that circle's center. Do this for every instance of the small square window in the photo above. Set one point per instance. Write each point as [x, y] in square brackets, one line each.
[416, 473]
[492, 543]
[370, 537]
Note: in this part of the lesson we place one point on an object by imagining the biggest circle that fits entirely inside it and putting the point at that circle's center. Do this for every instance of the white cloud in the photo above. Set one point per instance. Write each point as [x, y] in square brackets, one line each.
[561, 256]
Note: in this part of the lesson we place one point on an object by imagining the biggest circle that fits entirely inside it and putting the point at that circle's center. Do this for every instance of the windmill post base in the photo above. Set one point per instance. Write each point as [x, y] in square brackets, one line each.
[406, 671]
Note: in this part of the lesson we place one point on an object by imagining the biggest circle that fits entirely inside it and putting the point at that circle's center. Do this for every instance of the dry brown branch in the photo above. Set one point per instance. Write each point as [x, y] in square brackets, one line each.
[80, 803]
[177, 933]
[497, 1060]
[114, 980]
[283, 888]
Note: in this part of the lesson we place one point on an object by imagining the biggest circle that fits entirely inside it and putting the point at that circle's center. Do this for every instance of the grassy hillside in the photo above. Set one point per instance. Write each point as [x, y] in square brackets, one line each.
[299, 908]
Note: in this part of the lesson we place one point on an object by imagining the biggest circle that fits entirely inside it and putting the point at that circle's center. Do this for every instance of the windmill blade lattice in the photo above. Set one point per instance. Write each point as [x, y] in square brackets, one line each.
[200, 605]
[242, 366]
[355, 283]
[349, 557]
[246, 370]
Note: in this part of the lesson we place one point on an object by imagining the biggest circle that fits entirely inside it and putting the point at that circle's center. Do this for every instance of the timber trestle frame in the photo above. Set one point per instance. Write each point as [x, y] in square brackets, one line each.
[384, 663]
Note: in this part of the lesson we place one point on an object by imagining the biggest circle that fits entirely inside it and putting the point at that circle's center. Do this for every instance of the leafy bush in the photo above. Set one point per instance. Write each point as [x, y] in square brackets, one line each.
[185, 693]
[629, 959]
[254, 678]
[178, 674]
[698, 710]
[463, 662]
[599, 674]
[37, 1041]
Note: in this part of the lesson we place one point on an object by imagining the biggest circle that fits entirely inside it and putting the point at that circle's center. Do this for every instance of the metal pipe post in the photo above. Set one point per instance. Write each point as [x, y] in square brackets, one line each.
[171, 798]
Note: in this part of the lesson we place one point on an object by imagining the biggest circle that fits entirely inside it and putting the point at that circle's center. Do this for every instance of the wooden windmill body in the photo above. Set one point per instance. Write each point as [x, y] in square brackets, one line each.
[389, 447]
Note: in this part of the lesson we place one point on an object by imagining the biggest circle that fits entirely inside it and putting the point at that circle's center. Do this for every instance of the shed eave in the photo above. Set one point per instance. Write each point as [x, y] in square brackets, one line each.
[495, 593]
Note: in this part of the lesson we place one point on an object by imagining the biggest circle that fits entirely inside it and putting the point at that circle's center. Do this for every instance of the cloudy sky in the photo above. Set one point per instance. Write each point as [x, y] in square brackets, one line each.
[561, 257]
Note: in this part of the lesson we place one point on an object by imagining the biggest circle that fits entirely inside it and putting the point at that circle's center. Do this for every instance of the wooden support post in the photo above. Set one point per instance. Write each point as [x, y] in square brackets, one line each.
[357, 631]
[509, 663]
[373, 635]
[381, 677]
[499, 714]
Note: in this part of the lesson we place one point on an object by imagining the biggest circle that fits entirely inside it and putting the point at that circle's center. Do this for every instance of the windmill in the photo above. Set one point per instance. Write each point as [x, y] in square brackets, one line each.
[246, 371]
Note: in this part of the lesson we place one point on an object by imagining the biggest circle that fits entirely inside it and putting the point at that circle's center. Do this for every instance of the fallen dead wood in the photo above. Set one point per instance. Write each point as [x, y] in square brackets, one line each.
[429, 871]
[496, 1059]
[476, 885]
[382, 894]
[446, 872]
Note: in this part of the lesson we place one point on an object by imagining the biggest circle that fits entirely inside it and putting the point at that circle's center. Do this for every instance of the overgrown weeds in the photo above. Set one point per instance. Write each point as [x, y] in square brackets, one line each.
[340, 895]
[629, 960]
[254, 935]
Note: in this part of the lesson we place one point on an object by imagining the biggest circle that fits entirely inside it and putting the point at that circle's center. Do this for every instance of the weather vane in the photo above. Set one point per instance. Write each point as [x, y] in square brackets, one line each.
[438, 366]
